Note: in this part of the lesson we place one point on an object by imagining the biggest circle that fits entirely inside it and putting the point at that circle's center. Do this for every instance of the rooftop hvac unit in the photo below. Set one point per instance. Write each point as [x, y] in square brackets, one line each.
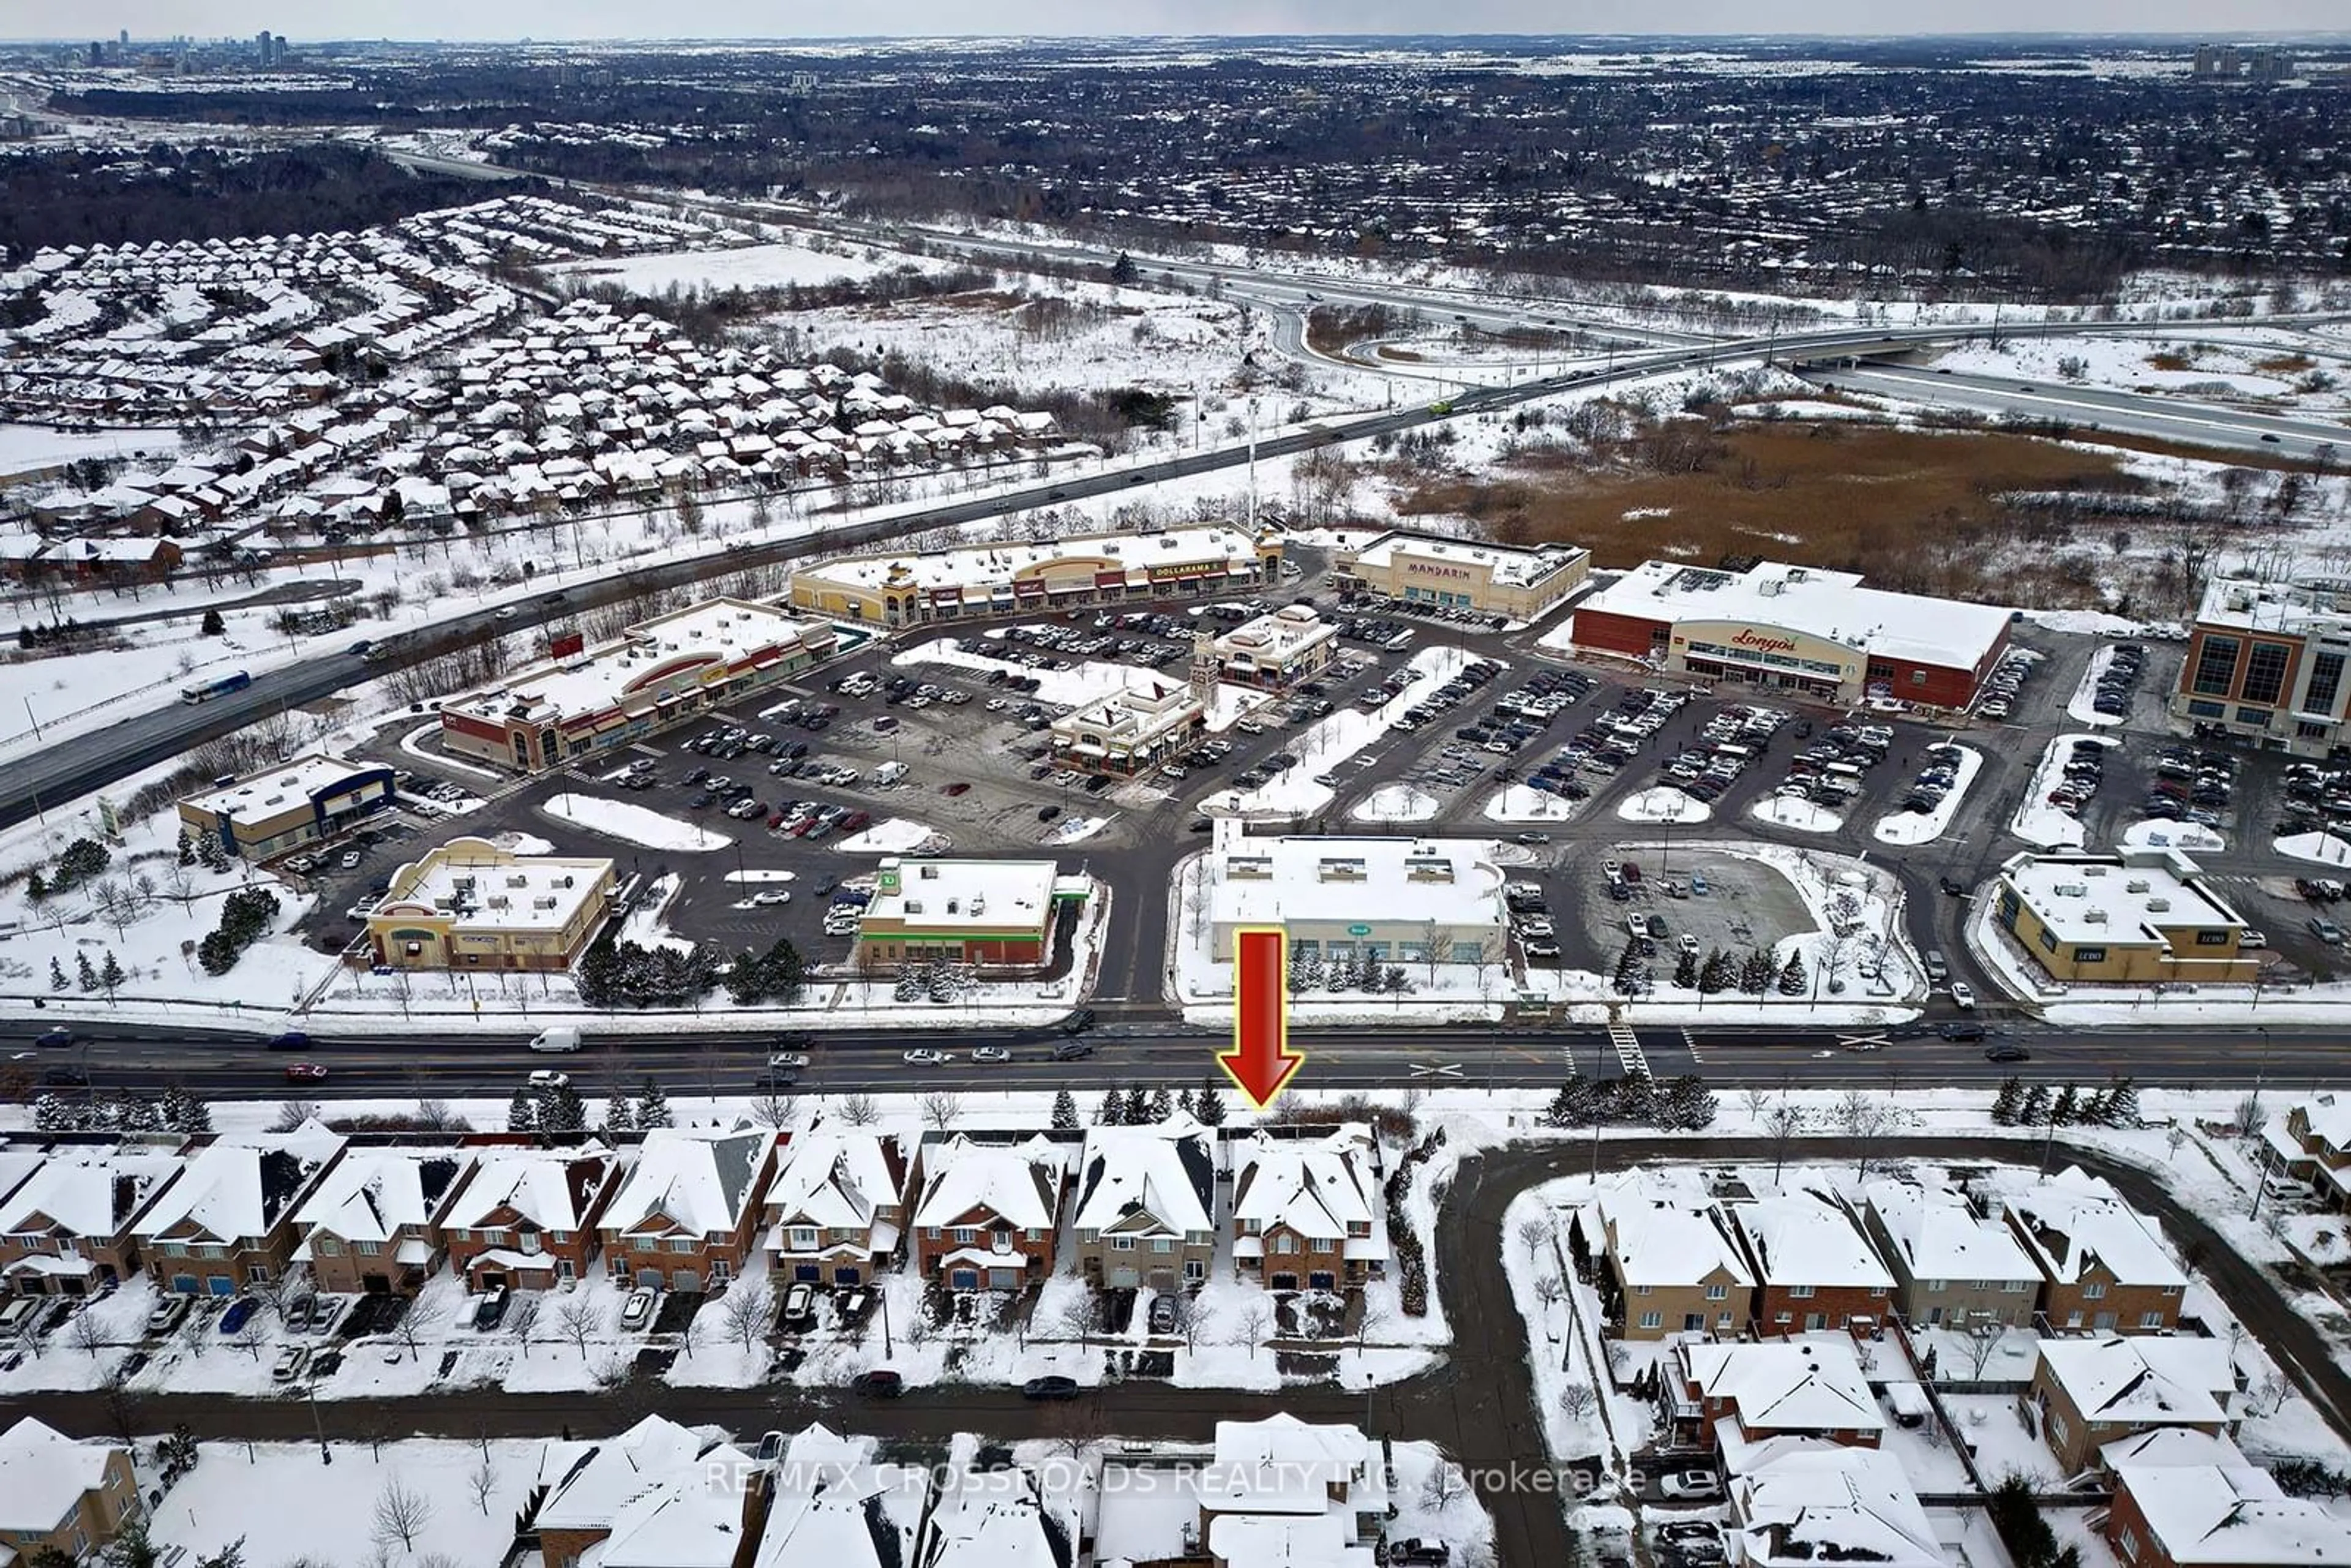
[979, 905]
[2070, 890]
[542, 904]
[563, 882]
[500, 900]
[2094, 917]
[2094, 871]
[2137, 885]
[2157, 905]
[517, 878]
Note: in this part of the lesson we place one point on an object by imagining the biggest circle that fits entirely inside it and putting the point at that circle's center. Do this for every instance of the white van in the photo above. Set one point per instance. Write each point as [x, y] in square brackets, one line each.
[562, 1037]
[890, 773]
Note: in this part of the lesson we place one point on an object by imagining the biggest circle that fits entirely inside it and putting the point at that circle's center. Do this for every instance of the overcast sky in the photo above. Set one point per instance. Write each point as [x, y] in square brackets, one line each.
[767, 18]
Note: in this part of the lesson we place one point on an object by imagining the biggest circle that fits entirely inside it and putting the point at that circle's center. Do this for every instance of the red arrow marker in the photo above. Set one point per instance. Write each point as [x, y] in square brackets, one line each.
[1261, 1062]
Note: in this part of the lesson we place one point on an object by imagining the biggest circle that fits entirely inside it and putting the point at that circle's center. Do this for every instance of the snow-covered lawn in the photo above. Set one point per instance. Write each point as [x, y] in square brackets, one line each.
[1394, 803]
[745, 267]
[891, 836]
[2038, 822]
[1795, 813]
[1924, 827]
[1074, 687]
[2083, 708]
[1521, 804]
[632, 823]
[285, 1504]
[1664, 803]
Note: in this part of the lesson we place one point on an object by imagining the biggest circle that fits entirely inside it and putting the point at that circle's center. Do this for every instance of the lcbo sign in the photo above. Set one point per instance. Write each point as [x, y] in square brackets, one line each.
[1764, 642]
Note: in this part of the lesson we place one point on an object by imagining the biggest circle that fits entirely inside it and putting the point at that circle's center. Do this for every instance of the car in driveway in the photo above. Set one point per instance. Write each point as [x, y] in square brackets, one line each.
[1690, 1484]
[637, 1310]
[1417, 1552]
[2007, 1051]
[239, 1310]
[881, 1383]
[1163, 1313]
[290, 1363]
[925, 1056]
[491, 1311]
[1053, 1387]
[168, 1313]
[305, 1072]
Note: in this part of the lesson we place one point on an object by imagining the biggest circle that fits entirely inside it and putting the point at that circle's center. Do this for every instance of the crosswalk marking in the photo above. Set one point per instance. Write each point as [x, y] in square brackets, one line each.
[1628, 1047]
[1690, 1044]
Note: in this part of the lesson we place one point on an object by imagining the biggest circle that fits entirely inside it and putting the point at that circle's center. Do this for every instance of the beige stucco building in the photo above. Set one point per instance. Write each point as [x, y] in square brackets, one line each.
[469, 904]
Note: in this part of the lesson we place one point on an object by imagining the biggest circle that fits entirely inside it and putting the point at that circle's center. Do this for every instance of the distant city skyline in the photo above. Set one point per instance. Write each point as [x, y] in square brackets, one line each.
[618, 20]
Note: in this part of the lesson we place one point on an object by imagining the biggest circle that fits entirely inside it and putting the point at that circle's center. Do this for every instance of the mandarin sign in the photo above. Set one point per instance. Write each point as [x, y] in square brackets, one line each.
[1419, 568]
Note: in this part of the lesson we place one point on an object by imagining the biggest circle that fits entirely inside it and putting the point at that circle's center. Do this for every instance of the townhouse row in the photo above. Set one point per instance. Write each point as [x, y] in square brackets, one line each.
[2066, 1255]
[691, 1207]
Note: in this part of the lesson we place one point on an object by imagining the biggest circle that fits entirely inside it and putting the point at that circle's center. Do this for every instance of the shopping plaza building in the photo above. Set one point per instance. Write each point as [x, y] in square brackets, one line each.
[910, 589]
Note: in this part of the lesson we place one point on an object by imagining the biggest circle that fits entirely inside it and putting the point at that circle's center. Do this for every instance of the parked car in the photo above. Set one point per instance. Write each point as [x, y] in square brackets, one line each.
[491, 1310]
[637, 1310]
[1690, 1484]
[242, 1308]
[168, 1313]
[881, 1383]
[1163, 1313]
[290, 1363]
[800, 1306]
[1415, 1552]
[1053, 1387]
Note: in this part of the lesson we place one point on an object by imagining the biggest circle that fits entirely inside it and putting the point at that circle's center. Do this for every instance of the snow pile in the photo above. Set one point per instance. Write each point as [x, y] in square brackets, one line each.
[2320, 849]
[2038, 822]
[1795, 813]
[632, 823]
[892, 836]
[1394, 803]
[1519, 803]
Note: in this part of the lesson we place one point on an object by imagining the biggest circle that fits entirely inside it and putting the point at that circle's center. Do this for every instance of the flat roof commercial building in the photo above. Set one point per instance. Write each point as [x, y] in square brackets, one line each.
[267, 814]
[1805, 630]
[1464, 574]
[1277, 650]
[469, 904]
[995, 914]
[1130, 731]
[1386, 900]
[659, 672]
[2137, 917]
[909, 589]
[2265, 663]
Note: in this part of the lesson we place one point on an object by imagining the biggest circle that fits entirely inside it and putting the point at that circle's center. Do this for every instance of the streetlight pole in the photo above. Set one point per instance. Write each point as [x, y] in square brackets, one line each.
[2261, 1170]
[36, 723]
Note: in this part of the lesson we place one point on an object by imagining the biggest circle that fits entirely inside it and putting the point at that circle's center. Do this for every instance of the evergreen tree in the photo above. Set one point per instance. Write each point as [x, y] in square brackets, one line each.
[134, 1113]
[1184, 1099]
[84, 976]
[1209, 1104]
[2068, 1108]
[110, 976]
[1571, 1107]
[2008, 1103]
[1633, 1098]
[786, 972]
[187, 849]
[522, 1112]
[1793, 981]
[2092, 1111]
[1138, 1107]
[212, 625]
[598, 975]
[233, 1555]
[2122, 1104]
[562, 1111]
[620, 1114]
[58, 981]
[653, 1108]
[1628, 965]
[1685, 970]
[1163, 1105]
[1112, 1112]
[747, 979]
[1686, 1105]
[1715, 977]
[1065, 1112]
[1755, 974]
[2036, 1109]
[37, 887]
[1339, 976]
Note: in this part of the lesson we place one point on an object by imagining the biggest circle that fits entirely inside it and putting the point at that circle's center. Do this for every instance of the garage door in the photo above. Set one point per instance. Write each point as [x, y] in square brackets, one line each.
[649, 1279]
[685, 1279]
[847, 1274]
[1124, 1278]
[1004, 1279]
[1285, 1282]
[221, 1285]
[1322, 1280]
[963, 1279]
[808, 1272]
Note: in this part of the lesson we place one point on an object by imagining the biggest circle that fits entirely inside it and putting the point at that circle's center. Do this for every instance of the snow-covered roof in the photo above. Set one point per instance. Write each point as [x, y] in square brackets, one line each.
[1127, 719]
[836, 1180]
[1506, 567]
[692, 1518]
[1020, 1184]
[2074, 1222]
[1941, 1237]
[1293, 1541]
[2160, 1448]
[485, 887]
[1806, 1238]
[1315, 1186]
[1280, 1465]
[1661, 1241]
[1149, 1180]
[1456, 882]
[1276, 637]
[1817, 1505]
[828, 1507]
[43, 1473]
[551, 1189]
[373, 1193]
[590, 1482]
[289, 785]
[2231, 604]
[994, 1520]
[695, 1181]
[1813, 602]
[2143, 1379]
[2326, 1117]
[1174, 551]
[238, 1186]
[85, 1191]
[2126, 897]
[2235, 1515]
[1810, 1384]
[928, 895]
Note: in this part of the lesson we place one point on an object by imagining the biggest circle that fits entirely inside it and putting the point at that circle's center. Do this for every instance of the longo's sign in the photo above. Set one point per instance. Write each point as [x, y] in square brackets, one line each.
[1780, 646]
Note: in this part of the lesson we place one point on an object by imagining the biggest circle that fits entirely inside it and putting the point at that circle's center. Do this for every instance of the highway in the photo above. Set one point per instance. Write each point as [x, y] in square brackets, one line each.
[456, 1061]
[2108, 412]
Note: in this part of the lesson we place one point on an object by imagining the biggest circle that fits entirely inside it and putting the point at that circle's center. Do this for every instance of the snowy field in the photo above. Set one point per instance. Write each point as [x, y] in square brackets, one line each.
[819, 260]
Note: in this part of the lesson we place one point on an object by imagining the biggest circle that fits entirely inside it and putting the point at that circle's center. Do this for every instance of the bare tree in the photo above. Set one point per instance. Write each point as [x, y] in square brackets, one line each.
[1862, 1118]
[252, 1334]
[1533, 1234]
[579, 1320]
[181, 881]
[1577, 1401]
[1549, 1291]
[744, 1309]
[196, 1335]
[1080, 1316]
[774, 1110]
[1758, 1102]
[401, 1512]
[483, 1482]
[1983, 1343]
[292, 1113]
[860, 1110]
[1250, 1327]
[1784, 1121]
[88, 1334]
[941, 1108]
[418, 1324]
[523, 1317]
[1445, 1483]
